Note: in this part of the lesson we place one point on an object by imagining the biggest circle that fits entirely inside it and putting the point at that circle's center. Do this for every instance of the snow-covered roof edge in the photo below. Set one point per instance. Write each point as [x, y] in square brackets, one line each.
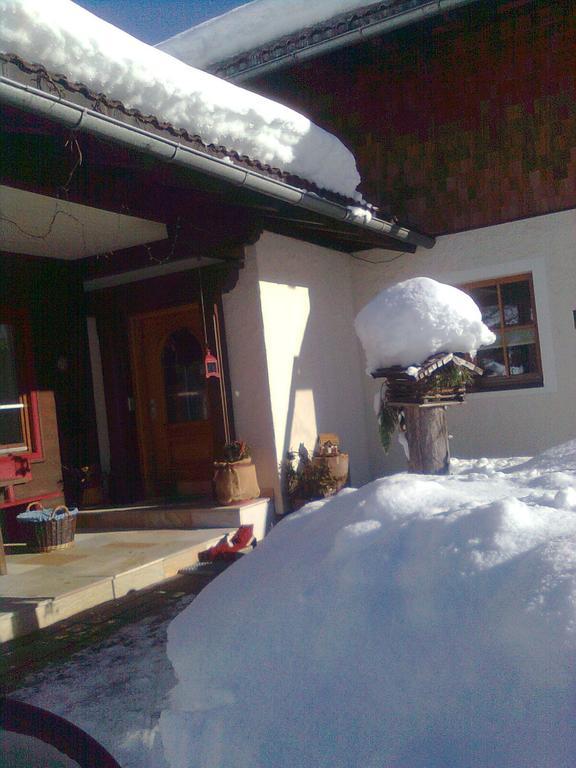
[232, 46]
[59, 83]
[34, 89]
[65, 38]
[252, 25]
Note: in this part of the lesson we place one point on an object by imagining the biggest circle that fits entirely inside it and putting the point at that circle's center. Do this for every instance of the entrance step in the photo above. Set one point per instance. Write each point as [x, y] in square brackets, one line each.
[42, 588]
[185, 515]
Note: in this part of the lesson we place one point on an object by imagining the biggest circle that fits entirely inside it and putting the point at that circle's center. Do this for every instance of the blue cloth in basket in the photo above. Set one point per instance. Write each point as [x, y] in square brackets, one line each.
[42, 515]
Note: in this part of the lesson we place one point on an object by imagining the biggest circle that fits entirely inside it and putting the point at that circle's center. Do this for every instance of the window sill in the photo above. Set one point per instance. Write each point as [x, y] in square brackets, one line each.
[17, 449]
[497, 384]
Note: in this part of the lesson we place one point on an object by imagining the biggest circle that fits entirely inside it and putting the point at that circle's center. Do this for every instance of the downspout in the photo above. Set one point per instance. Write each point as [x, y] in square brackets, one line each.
[350, 37]
[79, 118]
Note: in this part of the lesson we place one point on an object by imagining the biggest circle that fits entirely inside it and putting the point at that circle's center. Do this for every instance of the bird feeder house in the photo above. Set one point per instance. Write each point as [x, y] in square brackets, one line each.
[440, 380]
[422, 393]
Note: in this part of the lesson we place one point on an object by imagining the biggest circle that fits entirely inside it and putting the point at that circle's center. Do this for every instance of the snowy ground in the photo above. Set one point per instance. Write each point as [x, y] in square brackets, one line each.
[419, 622]
[115, 690]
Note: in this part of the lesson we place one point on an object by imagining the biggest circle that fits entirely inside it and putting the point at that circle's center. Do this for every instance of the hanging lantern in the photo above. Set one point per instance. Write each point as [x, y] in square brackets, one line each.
[211, 367]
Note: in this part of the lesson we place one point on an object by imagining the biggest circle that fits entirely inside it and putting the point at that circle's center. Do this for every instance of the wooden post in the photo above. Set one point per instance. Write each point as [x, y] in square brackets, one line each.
[3, 569]
[427, 436]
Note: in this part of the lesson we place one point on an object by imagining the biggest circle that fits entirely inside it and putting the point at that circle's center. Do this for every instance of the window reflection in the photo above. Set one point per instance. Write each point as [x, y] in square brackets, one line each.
[11, 432]
[517, 303]
[184, 382]
[486, 297]
[507, 307]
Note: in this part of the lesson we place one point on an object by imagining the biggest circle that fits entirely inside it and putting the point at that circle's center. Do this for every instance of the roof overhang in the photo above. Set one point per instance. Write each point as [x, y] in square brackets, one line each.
[346, 29]
[38, 225]
[279, 204]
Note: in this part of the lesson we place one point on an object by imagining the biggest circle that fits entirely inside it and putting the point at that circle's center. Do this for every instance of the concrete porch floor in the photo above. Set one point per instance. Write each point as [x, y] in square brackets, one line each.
[43, 588]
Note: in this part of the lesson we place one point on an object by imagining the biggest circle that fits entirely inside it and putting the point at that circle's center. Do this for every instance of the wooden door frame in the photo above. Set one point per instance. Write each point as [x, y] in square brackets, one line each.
[143, 426]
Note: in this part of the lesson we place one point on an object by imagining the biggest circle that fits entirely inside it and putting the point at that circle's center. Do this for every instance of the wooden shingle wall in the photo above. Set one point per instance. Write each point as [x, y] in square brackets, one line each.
[463, 122]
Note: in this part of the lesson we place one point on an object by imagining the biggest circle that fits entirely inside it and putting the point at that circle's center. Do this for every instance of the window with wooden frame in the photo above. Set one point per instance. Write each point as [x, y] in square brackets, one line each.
[509, 310]
[19, 418]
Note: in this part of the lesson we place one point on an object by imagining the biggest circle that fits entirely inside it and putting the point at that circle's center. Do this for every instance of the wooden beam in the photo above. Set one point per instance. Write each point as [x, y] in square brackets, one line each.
[3, 568]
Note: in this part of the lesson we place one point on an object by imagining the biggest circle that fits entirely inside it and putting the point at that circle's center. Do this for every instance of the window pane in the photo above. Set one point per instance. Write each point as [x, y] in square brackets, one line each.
[492, 361]
[184, 381]
[487, 299]
[517, 303]
[523, 359]
[507, 309]
[10, 416]
[517, 336]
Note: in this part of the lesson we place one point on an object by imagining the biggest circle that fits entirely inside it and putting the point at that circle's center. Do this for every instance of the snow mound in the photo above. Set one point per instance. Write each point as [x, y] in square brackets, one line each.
[249, 26]
[406, 323]
[68, 39]
[561, 458]
[426, 622]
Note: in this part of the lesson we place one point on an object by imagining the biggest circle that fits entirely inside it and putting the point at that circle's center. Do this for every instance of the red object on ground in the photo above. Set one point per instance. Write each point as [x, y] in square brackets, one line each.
[229, 547]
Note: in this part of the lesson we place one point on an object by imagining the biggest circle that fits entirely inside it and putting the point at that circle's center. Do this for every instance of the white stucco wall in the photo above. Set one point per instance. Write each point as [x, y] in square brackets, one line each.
[295, 363]
[518, 422]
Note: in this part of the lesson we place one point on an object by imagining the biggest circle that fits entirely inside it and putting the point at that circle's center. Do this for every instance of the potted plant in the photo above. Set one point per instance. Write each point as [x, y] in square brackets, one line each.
[316, 477]
[235, 477]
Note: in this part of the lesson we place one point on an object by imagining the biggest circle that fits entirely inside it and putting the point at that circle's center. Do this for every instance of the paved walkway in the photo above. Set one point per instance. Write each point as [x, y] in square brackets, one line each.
[44, 588]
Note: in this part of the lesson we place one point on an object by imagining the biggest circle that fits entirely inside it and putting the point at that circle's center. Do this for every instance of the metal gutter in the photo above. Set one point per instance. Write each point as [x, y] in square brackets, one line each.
[396, 21]
[79, 118]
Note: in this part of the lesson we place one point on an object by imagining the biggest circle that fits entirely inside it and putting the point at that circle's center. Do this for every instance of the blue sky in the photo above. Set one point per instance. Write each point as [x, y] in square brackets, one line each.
[155, 20]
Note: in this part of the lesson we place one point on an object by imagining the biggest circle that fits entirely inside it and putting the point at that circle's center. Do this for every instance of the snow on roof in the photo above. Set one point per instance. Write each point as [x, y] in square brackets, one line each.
[251, 25]
[66, 38]
[407, 322]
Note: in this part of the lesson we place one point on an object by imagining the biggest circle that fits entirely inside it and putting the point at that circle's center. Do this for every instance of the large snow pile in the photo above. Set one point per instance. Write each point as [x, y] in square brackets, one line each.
[419, 622]
[419, 598]
[68, 39]
[249, 26]
[408, 322]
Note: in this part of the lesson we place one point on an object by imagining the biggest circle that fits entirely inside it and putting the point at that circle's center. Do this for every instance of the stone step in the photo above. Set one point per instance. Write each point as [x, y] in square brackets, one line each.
[258, 513]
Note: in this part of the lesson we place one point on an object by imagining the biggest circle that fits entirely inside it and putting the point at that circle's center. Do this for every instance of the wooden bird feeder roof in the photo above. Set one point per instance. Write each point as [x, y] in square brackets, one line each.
[427, 368]
[414, 385]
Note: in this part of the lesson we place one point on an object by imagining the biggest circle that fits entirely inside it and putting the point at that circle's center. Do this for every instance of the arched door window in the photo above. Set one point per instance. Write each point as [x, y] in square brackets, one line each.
[184, 381]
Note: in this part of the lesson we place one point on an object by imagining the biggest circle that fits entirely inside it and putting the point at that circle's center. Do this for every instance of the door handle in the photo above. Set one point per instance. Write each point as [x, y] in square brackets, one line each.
[153, 411]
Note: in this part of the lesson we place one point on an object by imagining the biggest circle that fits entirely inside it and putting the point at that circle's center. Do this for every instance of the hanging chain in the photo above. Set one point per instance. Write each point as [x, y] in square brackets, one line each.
[203, 309]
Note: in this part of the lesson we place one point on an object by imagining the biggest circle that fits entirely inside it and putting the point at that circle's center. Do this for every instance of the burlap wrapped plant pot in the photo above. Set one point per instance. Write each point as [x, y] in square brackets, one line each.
[338, 468]
[235, 481]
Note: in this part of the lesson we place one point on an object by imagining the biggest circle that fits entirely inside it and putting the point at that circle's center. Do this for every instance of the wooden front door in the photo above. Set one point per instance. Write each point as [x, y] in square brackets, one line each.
[176, 409]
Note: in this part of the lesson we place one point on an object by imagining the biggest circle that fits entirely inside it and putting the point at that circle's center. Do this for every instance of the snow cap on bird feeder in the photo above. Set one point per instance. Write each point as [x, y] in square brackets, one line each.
[409, 322]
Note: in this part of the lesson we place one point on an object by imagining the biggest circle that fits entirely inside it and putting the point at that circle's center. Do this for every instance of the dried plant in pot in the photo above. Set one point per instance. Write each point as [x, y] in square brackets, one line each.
[313, 478]
[235, 477]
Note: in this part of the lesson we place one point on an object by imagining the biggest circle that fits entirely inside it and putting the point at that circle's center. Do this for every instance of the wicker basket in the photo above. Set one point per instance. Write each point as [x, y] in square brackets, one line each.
[53, 532]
